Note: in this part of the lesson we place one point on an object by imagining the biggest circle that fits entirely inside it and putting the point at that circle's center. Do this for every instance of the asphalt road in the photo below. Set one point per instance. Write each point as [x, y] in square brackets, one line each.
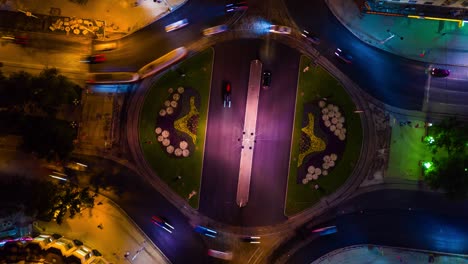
[274, 129]
[140, 201]
[151, 42]
[392, 79]
[421, 220]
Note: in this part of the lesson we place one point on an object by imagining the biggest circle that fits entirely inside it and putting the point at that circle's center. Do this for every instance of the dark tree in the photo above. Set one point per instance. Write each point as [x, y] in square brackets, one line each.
[49, 138]
[16, 90]
[451, 175]
[449, 172]
[44, 199]
[450, 135]
[51, 90]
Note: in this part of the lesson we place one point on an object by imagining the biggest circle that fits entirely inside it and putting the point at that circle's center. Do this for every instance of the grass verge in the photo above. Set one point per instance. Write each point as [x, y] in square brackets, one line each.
[197, 72]
[313, 85]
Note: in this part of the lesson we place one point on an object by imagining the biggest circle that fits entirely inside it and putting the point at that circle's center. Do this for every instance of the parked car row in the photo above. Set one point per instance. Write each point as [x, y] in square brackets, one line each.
[74, 251]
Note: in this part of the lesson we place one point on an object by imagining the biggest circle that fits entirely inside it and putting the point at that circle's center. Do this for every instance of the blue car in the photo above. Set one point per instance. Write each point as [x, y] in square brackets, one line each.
[205, 231]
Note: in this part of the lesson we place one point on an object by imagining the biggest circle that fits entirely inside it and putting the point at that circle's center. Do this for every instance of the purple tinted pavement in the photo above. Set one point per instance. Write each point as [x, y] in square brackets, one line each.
[429, 41]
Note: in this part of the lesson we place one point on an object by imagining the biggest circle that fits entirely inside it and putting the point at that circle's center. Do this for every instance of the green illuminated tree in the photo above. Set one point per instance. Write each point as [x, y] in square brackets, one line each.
[449, 135]
[448, 171]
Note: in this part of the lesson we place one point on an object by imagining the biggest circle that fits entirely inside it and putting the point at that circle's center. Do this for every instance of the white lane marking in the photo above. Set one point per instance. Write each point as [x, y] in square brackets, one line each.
[426, 91]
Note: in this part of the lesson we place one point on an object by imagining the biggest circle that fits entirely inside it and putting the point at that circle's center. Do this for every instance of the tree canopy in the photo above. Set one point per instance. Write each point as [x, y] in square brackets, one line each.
[43, 199]
[448, 170]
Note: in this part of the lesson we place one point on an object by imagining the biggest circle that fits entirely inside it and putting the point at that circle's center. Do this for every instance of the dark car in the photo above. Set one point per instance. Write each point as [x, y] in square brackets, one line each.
[92, 59]
[236, 6]
[313, 39]
[162, 222]
[343, 56]
[227, 94]
[251, 239]
[266, 79]
[21, 40]
[438, 72]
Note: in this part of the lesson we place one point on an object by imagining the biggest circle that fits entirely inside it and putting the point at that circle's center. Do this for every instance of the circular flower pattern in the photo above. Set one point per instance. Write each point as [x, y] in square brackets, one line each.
[165, 134]
[158, 130]
[183, 144]
[170, 90]
[176, 97]
[170, 149]
[162, 112]
[170, 110]
[178, 152]
[160, 138]
[180, 90]
[174, 104]
[185, 152]
[167, 103]
[166, 142]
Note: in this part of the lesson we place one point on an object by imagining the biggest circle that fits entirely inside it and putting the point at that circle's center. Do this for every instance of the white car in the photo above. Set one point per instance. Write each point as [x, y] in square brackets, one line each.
[214, 30]
[176, 25]
[220, 254]
[280, 29]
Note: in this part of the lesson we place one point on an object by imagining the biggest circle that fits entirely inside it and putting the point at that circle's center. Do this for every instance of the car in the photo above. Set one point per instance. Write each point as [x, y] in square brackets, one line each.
[313, 39]
[237, 6]
[251, 239]
[266, 79]
[21, 40]
[325, 230]
[93, 59]
[439, 72]
[227, 94]
[214, 30]
[205, 231]
[107, 46]
[343, 56]
[220, 254]
[162, 222]
[284, 30]
[176, 25]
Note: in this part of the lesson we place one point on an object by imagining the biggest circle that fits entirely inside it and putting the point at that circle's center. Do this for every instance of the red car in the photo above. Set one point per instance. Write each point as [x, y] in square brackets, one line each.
[21, 40]
[161, 222]
[97, 58]
[438, 72]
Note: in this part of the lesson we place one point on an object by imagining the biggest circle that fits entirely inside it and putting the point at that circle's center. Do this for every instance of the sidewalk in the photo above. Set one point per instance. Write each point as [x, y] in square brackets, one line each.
[122, 17]
[119, 234]
[381, 254]
[428, 41]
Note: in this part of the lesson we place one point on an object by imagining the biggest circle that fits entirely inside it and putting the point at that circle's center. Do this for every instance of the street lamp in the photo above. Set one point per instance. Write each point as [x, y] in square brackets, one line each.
[27, 13]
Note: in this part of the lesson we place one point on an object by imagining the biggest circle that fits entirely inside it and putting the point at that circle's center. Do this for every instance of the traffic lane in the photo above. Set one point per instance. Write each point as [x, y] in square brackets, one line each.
[401, 228]
[183, 245]
[224, 129]
[140, 201]
[151, 42]
[273, 136]
[391, 79]
[403, 199]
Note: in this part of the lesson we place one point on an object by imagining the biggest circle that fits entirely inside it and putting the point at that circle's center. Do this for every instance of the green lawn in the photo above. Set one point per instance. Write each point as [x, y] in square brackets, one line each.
[408, 140]
[197, 71]
[313, 85]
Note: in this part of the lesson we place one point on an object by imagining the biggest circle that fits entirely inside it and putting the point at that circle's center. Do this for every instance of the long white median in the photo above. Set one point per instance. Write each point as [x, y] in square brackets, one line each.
[248, 137]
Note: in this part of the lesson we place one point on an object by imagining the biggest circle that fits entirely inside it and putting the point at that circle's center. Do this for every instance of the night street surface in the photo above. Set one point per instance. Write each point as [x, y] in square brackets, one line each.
[140, 201]
[392, 79]
[433, 223]
[152, 41]
[274, 129]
